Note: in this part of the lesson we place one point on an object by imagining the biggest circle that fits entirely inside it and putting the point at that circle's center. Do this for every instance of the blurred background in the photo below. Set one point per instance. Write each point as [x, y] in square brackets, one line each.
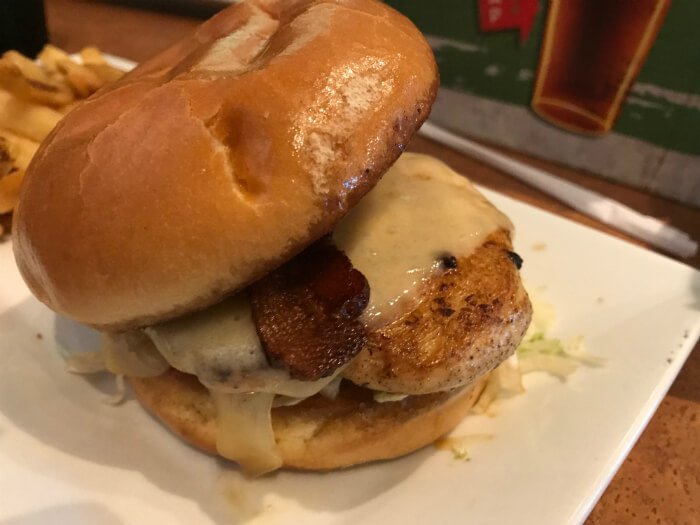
[609, 87]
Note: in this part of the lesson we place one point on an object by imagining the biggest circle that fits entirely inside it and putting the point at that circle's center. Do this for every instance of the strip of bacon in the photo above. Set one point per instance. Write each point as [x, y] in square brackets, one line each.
[306, 312]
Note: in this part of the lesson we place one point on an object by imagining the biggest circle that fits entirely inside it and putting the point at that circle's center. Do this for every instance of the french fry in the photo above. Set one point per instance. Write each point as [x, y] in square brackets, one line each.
[95, 61]
[92, 56]
[27, 66]
[24, 83]
[20, 149]
[106, 72]
[34, 96]
[10, 178]
[7, 163]
[83, 81]
[15, 154]
[25, 118]
[50, 56]
[9, 190]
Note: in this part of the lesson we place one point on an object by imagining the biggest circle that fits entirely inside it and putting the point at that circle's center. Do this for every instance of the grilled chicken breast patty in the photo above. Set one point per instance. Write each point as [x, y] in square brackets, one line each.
[469, 319]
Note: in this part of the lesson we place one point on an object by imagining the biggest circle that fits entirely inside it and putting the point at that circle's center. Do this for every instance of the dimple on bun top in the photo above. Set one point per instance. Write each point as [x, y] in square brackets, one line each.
[219, 159]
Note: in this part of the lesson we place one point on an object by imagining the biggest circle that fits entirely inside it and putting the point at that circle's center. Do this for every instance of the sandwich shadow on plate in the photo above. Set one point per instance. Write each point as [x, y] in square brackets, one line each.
[68, 413]
[78, 512]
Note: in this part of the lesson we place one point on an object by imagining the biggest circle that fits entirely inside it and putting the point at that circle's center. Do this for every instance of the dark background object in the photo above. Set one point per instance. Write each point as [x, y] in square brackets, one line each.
[22, 26]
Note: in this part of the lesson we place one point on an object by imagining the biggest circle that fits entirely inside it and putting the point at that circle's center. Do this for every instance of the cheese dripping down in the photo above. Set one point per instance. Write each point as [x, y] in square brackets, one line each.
[221, 347]
[244, 431]
[419, 212]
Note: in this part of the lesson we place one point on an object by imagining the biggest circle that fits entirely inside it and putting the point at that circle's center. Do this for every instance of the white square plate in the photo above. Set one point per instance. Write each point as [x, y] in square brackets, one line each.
[545, 457]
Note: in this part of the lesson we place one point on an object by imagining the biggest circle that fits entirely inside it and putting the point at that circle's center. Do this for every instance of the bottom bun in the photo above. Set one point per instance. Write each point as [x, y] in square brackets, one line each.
[318, 433]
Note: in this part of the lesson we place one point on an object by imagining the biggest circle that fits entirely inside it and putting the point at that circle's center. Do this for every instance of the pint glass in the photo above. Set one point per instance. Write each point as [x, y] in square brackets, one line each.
[591, 53]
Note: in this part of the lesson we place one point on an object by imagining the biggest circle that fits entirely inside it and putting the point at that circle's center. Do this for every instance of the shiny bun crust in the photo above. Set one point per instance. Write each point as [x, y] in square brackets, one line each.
[219, 159]
[317, 434]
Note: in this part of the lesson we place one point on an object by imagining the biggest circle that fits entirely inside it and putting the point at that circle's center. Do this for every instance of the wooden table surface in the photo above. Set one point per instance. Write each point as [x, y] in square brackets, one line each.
[660, 480]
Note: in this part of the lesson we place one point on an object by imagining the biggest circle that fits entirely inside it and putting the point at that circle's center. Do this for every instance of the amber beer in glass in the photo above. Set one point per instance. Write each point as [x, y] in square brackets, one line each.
[591, 53]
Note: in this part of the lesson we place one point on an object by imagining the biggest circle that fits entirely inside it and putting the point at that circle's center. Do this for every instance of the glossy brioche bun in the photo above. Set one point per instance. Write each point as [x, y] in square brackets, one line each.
[318, 433]
[219, 159]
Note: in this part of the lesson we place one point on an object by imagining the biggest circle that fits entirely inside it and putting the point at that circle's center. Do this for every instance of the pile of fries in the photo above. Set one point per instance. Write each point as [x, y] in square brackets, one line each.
[34, 96]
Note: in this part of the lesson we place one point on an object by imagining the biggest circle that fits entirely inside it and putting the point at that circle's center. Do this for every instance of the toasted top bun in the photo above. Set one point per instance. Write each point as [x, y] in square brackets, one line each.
[219, 159]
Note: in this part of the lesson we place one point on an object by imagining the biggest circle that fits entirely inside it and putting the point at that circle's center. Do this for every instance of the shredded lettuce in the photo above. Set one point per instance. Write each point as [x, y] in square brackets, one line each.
[549, 354]
[538, 352]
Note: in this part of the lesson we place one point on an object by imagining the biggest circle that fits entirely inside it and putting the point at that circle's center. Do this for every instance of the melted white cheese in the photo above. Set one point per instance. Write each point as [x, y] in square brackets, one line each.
[420, 211]
[220, 345]
[244, 431]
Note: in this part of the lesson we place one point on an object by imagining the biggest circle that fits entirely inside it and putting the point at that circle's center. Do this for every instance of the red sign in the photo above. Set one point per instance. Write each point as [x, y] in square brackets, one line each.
[500, 15]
